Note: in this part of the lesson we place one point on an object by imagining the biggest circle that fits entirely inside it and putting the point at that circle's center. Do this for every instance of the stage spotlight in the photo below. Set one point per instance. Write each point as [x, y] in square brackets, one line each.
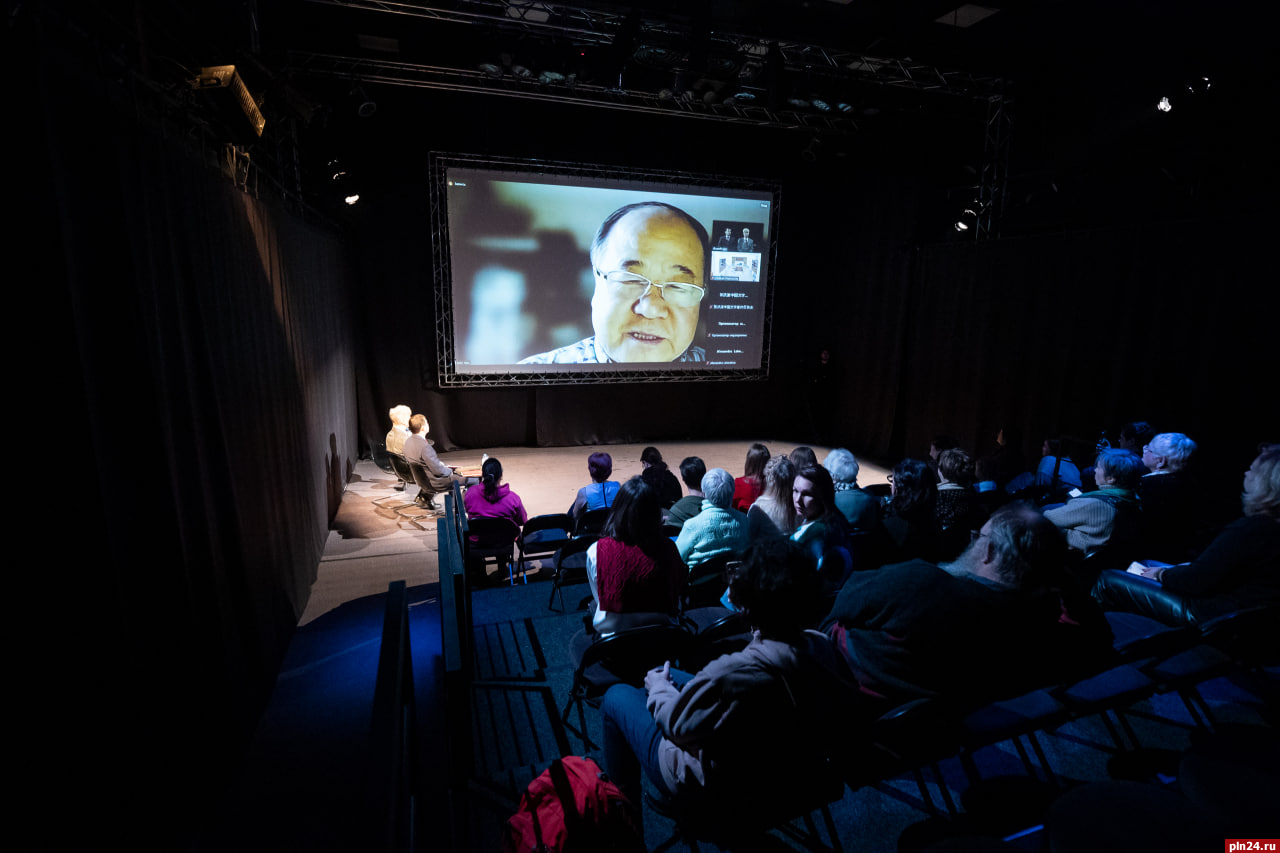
[491, 69]
[551, 77]
[521, 71]
[366, 107]
[967, 220]
[352, 199]
[1164, 105]
[821, 105]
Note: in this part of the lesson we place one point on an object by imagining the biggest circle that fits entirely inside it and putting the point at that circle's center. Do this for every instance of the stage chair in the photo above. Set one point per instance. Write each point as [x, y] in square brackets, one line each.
[543, 535]
[570, 565]
[708, 581]
[623, 658]
[591, 522]
[495, 540]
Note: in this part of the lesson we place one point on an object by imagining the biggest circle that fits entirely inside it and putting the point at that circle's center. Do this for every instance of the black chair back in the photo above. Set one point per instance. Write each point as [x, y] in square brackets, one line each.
[591, 522]
[543, 535]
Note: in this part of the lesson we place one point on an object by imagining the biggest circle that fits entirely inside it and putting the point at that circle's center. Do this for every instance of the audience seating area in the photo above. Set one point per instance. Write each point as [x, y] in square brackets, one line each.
[918, 771]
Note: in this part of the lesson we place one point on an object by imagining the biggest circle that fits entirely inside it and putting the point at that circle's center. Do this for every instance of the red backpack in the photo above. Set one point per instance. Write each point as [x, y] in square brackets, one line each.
[572, 807]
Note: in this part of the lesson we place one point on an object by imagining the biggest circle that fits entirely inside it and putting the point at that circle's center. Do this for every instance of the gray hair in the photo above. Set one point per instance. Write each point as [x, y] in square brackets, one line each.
[400, 414]
[1175, 447]
[717, 487]
[1029, 550]
[843, 466]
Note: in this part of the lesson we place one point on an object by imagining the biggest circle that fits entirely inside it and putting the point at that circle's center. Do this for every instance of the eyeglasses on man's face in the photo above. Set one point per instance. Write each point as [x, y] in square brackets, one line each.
[630, 285]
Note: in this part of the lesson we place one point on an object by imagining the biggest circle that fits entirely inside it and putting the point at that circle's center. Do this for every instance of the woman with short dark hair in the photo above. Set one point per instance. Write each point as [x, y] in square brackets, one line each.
[601, 491]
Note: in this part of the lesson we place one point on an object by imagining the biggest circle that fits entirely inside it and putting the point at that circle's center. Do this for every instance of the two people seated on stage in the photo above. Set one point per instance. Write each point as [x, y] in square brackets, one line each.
[1239, 569]
[1000, 619]
[692, 469]
[492, 498]
[744, 724]
[601, 491]
[636, 574]
[438, 477]
[718, 528]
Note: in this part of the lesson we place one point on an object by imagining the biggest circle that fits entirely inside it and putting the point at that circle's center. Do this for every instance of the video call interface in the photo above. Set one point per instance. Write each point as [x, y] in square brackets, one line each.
[685, 289]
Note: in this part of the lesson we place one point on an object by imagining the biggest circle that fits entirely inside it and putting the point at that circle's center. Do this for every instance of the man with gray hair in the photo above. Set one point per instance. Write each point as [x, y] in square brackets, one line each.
[860, 509]
[1173, 527]
[718, 529]
[987, 625]
[398, 433]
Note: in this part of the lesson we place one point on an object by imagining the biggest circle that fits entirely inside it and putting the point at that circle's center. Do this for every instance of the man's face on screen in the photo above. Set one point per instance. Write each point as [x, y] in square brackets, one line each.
[659, 245]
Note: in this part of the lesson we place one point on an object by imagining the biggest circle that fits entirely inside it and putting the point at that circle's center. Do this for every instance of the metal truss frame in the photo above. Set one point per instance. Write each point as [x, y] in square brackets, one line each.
[441, 273]
[993, 180]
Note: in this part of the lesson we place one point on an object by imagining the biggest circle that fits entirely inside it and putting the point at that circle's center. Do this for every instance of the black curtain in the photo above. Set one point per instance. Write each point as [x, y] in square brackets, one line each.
[202, 373]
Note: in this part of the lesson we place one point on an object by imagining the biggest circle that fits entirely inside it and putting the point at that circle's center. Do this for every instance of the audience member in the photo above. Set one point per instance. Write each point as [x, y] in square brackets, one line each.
[997, 621]
[958, 505]
[1109, 514]
[1135, 435]
[802, 456]
[909, 519]
[492, 498]
[1239, 569]
[440, 477]
[1053, 476]
[692, 470]
[750, 485]
[1007, 460]
[601, 491]
[860, 509]
[773, 514]
[748, 721]
[635, 573]
[718, 528]
[821, 531]
[655, 473]
[1173, 521]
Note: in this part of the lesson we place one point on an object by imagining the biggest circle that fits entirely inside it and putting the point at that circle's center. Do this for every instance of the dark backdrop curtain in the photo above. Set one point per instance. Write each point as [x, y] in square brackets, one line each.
[206, 378]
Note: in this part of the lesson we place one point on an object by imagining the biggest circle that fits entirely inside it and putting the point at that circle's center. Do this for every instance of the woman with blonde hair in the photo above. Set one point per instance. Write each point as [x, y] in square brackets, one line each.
[774, 513]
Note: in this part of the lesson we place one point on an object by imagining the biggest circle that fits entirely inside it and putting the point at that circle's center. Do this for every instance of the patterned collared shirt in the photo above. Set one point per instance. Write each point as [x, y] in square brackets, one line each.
[586, 352]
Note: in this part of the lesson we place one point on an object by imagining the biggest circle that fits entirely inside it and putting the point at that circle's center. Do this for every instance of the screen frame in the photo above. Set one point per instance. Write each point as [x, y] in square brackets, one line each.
[439, 164]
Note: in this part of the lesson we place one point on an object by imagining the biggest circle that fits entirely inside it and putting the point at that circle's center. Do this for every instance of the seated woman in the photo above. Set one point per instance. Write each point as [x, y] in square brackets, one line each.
[773, 514]
[1107, 515]
[750, 485]
[958, 510]
[492, 498]
[1055, 474]
[656, 474]
[911, 526]
[601, 492]
[821, 532]
[732, 732]
[860, 509]
[716, 530]
[634, 571]
[1239, 569]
